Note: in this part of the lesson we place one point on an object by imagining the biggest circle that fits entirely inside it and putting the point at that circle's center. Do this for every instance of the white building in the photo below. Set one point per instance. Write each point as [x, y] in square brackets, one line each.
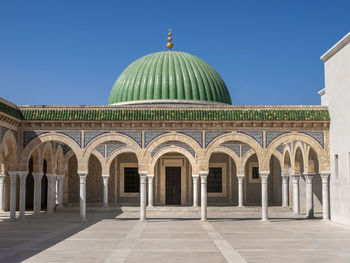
[336, 96]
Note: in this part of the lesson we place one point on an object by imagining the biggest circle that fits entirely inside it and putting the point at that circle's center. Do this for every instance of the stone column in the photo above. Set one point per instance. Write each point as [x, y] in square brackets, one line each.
[82, 190]
[143, 182]
[13, 178]
[150, 189]
[264, 195]
[60, 178]
[285, 190]
[325, 195]
[195, 178]
[2, 177]
[309, 195]
[204, 176]
[37, 193]
[296, 202]
[240, 178]
[22, 194]
[105, 189]
[51, 192]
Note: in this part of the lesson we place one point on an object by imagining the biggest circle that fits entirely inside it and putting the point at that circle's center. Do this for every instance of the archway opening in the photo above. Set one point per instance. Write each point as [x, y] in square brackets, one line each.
[222, 183]
[173, 184]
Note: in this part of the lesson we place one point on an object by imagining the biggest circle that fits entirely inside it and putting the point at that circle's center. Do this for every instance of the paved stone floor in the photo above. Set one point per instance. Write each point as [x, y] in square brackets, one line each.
[173, 235]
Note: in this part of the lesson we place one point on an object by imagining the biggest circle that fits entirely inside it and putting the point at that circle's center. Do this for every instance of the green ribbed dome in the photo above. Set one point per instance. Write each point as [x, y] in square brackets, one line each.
[169, 76]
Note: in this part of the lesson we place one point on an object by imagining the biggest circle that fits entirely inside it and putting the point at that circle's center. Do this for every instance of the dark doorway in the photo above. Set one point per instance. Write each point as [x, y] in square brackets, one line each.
[173, 185]
[30, 186]
[44, 187]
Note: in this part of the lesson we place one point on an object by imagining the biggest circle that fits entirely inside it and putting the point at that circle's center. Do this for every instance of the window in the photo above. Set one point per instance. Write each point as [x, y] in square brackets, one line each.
[214, 184]
[254, 176]
[131, 180]
[255, 172]
[336, 166]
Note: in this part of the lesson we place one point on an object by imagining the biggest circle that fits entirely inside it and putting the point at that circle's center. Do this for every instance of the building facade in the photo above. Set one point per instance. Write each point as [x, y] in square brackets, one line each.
[335, 96]
[169, 136]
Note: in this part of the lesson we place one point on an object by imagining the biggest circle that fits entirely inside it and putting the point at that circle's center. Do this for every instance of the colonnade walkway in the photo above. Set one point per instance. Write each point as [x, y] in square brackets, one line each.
[172, 235]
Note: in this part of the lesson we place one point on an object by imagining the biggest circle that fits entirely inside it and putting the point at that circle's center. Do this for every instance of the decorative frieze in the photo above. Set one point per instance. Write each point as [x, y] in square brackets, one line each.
[75, 136]
[211, 135]
[235, 147]
[271, 135]
[196, 135]
[136, 136]
[256, 135]
[111, 147]
[245, 149]
[90, 135]
[102, 149]
[280, 148]
[30, 135]
[150, 136]
[317, 135]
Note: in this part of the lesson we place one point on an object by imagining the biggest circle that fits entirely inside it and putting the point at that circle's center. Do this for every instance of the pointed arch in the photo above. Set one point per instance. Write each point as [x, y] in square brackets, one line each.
[47, 137]
[322, 153]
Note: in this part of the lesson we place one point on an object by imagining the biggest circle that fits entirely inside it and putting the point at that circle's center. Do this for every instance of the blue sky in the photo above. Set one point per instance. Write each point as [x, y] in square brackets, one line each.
[71, 52]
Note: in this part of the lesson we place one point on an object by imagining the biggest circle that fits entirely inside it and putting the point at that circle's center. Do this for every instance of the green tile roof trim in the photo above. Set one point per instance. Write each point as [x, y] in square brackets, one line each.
[169, 76]
[110, 114]
[10, 110]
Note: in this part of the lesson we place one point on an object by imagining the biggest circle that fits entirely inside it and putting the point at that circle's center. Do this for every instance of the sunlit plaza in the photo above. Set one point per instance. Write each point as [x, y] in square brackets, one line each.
[171, 170]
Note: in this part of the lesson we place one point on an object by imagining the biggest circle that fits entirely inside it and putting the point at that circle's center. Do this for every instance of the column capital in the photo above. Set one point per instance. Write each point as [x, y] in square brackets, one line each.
[150, 176]
[285, 176]
[22, 174]
[295, 177]
[60, 176]
[2, 176]
[240, 176]
[82, 176]
[143, 173]
[264, 174]
[309, 177]
[324, 176]
[204, 176]
[105, 176]
[195, 176]
[12, 174]
[203, 173]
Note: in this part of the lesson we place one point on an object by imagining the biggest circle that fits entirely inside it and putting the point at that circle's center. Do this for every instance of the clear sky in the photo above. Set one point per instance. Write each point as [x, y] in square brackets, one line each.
[71, 52]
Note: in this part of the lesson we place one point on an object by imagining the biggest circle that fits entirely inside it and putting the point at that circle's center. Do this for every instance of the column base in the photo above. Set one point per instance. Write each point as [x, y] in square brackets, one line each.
[143, 220]
[241, 206]
[264, 220]
[204, 219]
[150, 206]
[326, 220]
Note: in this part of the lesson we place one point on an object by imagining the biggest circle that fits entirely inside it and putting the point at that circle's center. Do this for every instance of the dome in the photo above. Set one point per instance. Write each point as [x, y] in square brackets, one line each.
[169, 76]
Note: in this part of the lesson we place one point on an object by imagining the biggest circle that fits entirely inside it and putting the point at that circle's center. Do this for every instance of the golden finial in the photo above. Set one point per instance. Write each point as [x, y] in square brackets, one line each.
[169, 44]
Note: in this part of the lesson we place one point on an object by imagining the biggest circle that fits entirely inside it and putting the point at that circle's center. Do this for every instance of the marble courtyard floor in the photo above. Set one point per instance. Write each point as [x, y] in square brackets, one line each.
[173, 235]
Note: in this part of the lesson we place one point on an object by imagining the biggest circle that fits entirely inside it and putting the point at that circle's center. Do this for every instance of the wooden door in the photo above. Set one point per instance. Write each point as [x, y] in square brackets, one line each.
[173, 185]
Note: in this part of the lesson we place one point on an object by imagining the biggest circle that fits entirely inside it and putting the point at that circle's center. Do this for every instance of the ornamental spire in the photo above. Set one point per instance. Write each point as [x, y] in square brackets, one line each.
[169, 44]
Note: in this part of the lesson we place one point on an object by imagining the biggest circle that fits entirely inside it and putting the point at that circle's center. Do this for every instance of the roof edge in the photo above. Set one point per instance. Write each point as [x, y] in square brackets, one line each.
[336, 48]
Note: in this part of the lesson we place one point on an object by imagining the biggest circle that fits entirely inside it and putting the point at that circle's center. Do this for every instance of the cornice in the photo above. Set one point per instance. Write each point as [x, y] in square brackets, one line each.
[159, 125]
